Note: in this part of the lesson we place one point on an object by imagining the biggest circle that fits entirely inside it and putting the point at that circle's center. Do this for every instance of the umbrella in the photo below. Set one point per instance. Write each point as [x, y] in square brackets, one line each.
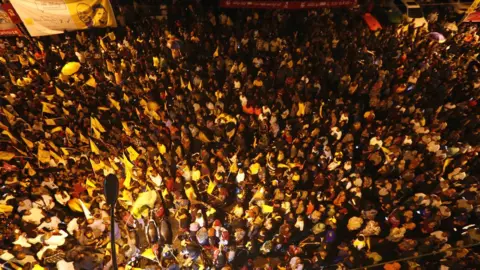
[437, 37]
[70, 68]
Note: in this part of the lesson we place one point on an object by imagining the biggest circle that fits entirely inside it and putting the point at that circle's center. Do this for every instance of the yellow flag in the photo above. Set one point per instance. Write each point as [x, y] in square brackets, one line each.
[79, 107]
[144, 201]
[91, 82]
[83, 139]
[6, 155]
[211, 187]
[200, 86]
[148, 253]
[27, 142]
[69, 132]
[102, 44]
[50, 97]
[189, 86]
[110, 67]
[31, 171]
[114, 103]
[90, 186]
[50, 122]
[47, 108]
[65, 151]
[6, 132]
[43, 156]
[215, 54]
[10, 117]
[161, 148]
[20, 151]
[37, 267]
[94, 147]
[65, 111]
[103, 108]
[126, 98]
[112, 36]
[182, 84]
[156, 62]
[62, 55]
[128, 171]
[59, 92]
[118, 78]
[267, 209]
[97, 166]
[55, 156]
[57, 129]
[127, 130]
[96, 134]
[96, 124]
[132, 154]
[12, 79]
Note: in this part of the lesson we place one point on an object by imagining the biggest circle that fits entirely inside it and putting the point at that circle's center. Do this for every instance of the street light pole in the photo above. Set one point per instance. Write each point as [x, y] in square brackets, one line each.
[110, 190]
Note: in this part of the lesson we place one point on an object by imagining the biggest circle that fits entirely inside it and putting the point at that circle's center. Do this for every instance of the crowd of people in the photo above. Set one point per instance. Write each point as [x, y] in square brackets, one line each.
[242, 139]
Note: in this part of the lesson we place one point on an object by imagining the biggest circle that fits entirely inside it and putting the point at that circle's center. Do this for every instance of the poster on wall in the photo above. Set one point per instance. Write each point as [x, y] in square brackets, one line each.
[7, 27]
[52, 17]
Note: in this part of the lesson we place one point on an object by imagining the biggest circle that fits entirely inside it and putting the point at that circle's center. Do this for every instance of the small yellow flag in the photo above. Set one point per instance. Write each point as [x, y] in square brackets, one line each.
[126, 98]
[59, 92]
[90, 186]
[65, 151]
[6, 155]
[47, 108]
[211, 187]
[43, 156]
[182, 84]
[96, 124]
[128, 171]
[148, 253]
[55, 156]
[50, 122]
[83, 139]
[189, 86]
[10, 117]
[132, 154]
[127, 130]
[161, 148]
[27, 142]
[114, 103]
[57, 129]
[102, 44]
[215, 54]
[69, 132]
[96, 134]
[112, 36]
[31, 171]
[103, 108]
[94, 147]
[50, 97]
[65, 111]
[267, 209]
[97, 166]
[6, 132]
[110, 67]
[156, 62]
[91, 82]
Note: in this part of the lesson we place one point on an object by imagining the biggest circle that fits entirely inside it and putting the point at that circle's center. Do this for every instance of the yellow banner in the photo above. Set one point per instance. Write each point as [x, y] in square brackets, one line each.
[52, 17]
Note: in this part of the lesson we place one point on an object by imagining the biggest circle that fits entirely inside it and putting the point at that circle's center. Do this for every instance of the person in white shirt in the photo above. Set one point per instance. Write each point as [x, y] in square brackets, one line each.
[34, 216]
[72, 226]
[24, 205]
[46, 202]
[22, 241]
[49, 183]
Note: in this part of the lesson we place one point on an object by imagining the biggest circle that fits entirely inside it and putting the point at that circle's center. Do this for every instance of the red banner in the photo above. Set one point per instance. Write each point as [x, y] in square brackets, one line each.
[12, 13]
[286, 4]
[7, 27]
[473, 17]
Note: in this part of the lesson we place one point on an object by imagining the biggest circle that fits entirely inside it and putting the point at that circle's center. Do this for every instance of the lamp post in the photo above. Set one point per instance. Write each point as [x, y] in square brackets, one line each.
[110, 190]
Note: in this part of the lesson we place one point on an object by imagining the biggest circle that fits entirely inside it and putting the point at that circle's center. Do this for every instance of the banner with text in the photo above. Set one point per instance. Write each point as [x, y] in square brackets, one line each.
[286, 4]
[7, 27]
[52, 17]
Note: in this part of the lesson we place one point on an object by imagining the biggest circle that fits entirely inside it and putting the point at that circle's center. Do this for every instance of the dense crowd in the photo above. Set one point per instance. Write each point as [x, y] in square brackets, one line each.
[247, 140]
